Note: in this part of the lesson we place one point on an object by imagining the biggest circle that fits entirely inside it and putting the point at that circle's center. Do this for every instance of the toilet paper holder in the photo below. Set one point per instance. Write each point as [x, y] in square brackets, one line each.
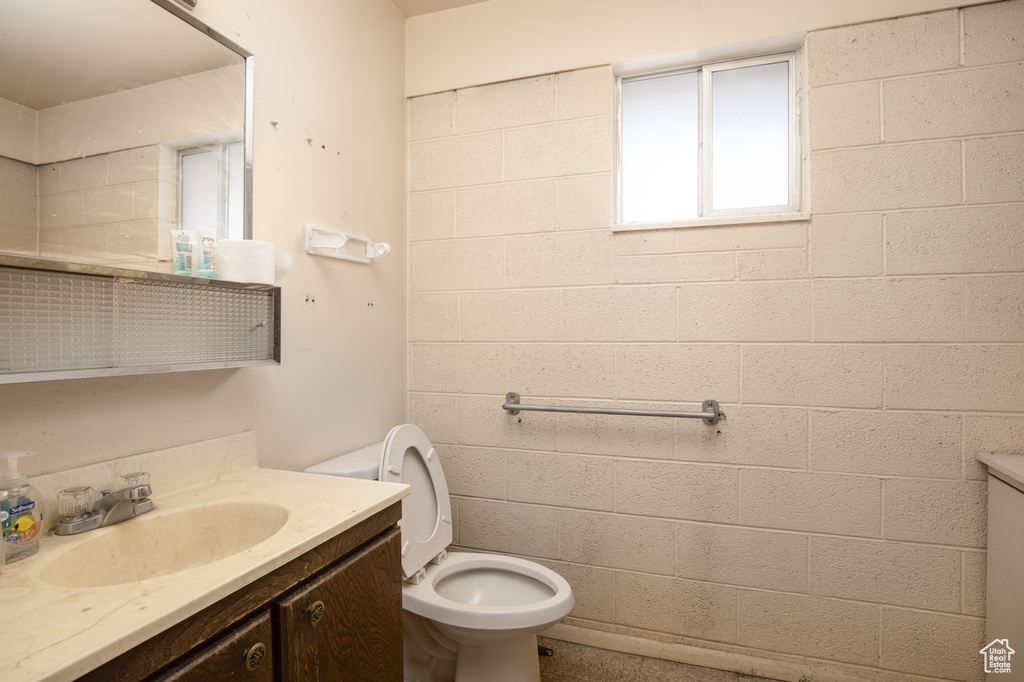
[321, 241]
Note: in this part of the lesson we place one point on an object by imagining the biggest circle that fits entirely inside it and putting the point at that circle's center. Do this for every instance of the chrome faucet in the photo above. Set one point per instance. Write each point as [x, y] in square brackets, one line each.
[114, 506]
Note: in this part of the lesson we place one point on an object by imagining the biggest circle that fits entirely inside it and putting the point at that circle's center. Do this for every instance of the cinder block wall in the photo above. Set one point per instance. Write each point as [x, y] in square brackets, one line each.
[112, 209]
[863, 357]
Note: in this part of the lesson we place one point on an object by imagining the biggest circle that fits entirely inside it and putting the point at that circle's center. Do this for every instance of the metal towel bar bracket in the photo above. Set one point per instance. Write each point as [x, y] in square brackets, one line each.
[710, 413]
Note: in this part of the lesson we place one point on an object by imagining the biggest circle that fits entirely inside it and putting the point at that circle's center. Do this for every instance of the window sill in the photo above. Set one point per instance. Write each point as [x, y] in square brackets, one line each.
[710, 222]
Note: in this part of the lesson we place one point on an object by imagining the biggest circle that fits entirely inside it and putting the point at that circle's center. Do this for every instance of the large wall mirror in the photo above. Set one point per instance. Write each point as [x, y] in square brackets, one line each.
[120, 120]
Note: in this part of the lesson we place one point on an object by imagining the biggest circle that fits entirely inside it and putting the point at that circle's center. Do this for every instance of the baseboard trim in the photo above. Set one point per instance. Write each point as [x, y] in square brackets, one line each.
[801, 670]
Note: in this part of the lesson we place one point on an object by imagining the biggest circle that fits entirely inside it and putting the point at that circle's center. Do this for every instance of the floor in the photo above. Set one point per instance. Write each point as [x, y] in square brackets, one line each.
[578, 663]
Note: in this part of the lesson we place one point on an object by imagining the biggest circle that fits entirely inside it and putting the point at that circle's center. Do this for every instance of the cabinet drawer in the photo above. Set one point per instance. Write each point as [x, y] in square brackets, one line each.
[346, 624]
[243, 654]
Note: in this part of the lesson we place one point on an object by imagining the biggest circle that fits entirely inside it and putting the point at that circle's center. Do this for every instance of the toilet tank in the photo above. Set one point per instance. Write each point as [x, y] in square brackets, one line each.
[362, 463]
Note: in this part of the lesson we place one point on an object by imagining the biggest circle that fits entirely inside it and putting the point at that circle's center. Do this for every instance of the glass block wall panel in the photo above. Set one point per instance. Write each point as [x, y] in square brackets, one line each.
[55, 320]
[166, 323]
[84, 324]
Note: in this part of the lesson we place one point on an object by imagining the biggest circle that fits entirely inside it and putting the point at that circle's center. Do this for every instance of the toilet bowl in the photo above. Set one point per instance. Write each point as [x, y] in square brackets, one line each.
[481, 611]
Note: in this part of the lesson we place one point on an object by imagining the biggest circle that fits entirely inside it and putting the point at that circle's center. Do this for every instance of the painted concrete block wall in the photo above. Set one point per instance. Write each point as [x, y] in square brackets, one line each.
[484, 42]
[19, 207]
[863, 357]
[112, 209]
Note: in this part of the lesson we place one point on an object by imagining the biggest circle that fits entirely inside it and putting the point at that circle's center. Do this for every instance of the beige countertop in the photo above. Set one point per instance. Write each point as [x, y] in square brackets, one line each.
[57, 633]
[1009, 468]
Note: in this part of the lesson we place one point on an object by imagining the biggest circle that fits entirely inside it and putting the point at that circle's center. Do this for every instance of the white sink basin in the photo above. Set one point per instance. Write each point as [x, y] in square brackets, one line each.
[162, 543]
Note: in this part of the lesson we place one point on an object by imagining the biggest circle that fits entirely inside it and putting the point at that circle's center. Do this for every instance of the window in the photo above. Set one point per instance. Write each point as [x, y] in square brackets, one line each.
[212, 189]
[713, 141]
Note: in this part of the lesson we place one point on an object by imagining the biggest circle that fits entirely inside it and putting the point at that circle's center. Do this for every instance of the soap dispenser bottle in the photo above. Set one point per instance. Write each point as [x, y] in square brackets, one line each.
[3, 553]
[21, 514]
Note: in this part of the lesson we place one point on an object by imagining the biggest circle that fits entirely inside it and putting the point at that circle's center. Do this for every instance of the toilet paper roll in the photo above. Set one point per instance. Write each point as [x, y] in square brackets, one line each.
[246, 260]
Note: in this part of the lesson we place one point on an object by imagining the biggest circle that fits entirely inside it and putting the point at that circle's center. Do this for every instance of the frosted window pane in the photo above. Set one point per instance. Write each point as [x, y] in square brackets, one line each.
[200, 190]
[750, 137]
[659, 148]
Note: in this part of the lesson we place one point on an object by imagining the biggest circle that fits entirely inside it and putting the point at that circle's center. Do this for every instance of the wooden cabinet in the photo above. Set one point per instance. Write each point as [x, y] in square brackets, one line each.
[244, 653]
[348, 621]
[333, 614]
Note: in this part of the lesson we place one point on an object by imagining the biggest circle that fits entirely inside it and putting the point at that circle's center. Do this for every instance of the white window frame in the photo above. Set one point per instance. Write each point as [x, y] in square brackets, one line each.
[223, 186]
[793, 211]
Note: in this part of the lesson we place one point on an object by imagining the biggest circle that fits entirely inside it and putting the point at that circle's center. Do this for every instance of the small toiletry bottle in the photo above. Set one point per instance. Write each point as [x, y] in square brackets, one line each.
[183, 251]
[21, 514]
[206, 253]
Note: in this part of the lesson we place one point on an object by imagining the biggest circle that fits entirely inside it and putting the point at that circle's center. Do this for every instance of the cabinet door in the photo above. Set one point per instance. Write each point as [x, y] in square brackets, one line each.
[346, 624]
[243, 654]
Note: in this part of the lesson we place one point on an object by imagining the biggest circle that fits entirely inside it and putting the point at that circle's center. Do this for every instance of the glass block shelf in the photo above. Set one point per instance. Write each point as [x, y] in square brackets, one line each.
[64, 321]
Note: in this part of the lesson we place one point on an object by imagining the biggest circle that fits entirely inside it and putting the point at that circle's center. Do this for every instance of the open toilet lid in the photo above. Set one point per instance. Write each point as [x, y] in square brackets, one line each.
[426, 512]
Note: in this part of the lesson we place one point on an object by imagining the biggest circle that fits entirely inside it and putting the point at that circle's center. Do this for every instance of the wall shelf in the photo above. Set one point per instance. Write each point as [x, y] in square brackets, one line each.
[66, 321]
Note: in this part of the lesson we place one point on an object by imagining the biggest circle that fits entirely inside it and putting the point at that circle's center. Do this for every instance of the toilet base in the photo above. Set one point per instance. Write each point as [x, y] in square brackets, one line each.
[443, 653]
[511, 660]
[429, 654]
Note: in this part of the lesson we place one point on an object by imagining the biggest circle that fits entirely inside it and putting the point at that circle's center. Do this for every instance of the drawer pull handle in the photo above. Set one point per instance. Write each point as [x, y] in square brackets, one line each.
[255, 656]
[316, 612]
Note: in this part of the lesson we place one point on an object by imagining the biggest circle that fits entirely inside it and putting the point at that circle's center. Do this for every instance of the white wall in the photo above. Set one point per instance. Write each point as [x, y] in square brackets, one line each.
[200, 104]
[506, 39]
[21, 126]
[328, 71]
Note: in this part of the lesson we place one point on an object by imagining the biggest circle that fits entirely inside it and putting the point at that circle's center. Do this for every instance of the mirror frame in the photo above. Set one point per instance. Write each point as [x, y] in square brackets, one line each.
[56, 268]
[247, 131]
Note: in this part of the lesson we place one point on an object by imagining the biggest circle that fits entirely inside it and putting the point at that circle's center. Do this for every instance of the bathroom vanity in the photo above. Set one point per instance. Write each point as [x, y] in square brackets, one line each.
[1005, 590]
[332, 613]
[239, 572]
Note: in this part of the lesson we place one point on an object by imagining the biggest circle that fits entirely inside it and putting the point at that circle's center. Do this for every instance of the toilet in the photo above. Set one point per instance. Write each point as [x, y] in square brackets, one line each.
[468, 617]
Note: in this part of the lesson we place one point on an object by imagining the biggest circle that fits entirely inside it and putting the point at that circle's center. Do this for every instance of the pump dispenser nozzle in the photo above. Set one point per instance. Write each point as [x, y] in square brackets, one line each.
[14, 478]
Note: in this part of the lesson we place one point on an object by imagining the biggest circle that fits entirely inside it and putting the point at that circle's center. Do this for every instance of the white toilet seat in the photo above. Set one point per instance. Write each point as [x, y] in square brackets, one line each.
[487, 607]
[408, 457]
[425, 600]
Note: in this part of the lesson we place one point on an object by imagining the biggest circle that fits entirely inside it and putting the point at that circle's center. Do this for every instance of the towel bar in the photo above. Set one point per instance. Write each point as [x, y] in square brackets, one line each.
[710, 413]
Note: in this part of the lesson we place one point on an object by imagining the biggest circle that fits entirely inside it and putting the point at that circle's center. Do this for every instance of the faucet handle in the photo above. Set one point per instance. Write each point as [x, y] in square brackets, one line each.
[135, 479]
[137, 483]
[74, 502]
